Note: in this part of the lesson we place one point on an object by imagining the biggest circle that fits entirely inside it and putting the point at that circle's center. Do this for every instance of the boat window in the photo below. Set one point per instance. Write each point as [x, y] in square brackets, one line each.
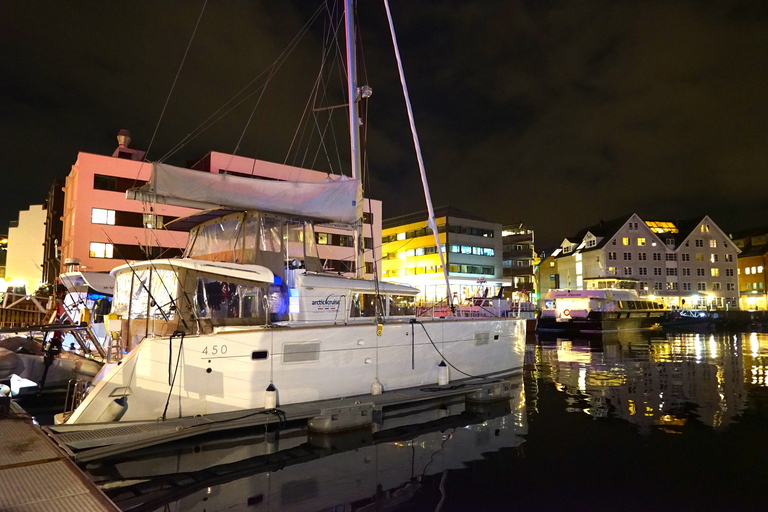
[402, 305]
[146, 293]
[270, 238]
[362, 305]
[221, 300]
[216, 241]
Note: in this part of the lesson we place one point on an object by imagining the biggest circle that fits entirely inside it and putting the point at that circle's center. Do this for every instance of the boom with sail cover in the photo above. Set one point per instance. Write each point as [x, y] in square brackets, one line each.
[336, 200]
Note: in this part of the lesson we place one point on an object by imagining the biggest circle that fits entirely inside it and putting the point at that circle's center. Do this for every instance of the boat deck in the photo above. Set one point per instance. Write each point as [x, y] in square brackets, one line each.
[90, 442]
[36, 476]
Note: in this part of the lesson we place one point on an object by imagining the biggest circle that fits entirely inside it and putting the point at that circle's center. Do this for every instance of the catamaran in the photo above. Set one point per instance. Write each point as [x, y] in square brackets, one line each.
[248, 319]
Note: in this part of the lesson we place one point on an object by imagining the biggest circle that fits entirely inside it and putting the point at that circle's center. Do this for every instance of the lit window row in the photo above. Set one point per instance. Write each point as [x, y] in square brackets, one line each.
[753, 270]
[101, 250]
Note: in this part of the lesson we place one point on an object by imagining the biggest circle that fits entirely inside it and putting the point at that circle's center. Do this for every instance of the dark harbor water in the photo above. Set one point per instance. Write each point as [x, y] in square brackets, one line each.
[625, 422]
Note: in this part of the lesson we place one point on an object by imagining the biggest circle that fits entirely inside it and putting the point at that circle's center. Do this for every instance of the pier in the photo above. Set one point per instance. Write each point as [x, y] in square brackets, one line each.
[35, 475]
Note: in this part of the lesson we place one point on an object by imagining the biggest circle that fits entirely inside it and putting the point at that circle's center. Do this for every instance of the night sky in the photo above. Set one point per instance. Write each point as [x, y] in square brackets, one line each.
[552, 113]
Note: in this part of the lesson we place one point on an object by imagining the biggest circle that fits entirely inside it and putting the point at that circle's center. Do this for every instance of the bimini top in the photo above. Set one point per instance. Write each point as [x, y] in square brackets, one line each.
[336, 200]
[233, 270]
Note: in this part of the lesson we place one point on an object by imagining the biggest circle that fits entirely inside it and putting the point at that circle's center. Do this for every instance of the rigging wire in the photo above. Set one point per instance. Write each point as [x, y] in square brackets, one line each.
[175, 79]
[212, 119]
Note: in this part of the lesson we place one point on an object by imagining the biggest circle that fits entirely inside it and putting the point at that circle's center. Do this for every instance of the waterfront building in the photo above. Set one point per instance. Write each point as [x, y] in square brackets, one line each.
[546, 275]
[687, 264]
[335, 244]
[752, 263]
[519, 258]
[472, 249]
[24, 257]
[101, 228]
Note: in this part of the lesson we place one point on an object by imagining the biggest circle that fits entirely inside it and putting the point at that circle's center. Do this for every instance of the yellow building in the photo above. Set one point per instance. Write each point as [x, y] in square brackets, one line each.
[472, 248]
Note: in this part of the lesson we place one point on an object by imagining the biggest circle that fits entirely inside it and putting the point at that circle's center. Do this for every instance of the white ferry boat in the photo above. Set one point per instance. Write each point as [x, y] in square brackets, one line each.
[608, 304]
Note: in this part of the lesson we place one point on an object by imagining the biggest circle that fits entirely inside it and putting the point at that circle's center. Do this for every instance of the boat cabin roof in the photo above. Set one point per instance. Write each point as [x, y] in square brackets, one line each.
[219, 268]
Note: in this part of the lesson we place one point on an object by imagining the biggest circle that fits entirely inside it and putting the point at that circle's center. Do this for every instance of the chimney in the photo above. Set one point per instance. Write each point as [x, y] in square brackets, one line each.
[123, 138]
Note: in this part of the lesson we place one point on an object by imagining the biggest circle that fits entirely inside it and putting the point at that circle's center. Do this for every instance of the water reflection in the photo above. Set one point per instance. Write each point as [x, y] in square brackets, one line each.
[674, 421]
[405, 457]
[655, 379]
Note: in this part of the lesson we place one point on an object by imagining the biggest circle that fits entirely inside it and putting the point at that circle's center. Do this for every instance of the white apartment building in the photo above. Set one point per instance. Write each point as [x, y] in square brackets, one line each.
[688, 264]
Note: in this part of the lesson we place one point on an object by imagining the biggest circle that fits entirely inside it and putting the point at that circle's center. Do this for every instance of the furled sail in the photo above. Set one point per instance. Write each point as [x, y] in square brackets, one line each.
[337, 200]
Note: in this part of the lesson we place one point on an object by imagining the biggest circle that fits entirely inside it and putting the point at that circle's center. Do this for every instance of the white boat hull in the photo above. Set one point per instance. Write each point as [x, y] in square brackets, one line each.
[231, 369]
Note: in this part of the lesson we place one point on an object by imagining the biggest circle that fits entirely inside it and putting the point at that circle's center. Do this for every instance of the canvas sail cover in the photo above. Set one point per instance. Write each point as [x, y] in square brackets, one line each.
[338, 200]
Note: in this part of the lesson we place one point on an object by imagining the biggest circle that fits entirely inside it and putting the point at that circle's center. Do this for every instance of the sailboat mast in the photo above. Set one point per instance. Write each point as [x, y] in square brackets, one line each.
[354, 125]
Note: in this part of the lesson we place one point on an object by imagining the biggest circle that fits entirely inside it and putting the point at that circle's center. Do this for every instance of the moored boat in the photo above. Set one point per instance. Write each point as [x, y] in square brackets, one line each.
[248, 319]
[608, 304]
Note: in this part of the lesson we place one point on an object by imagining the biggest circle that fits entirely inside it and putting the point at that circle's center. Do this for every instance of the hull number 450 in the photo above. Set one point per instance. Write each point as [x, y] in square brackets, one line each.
[215, 350]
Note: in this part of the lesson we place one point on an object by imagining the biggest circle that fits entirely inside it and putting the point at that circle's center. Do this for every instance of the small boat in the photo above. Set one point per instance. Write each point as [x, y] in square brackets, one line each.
[248, 319]
[608, 304]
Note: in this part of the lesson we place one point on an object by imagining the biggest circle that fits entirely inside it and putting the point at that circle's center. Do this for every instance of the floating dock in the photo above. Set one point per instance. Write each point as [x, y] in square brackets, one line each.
[35, 475]
[91, 442]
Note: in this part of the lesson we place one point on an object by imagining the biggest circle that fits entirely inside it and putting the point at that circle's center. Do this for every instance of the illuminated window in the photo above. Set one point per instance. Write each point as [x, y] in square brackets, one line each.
[754, 270]
[625, 241]
[612, 270]
[100, 250]
[671, 286]
[409, 253]
[713, 244]
[713, 258]
[705, 228]
[101, 216]
[641, 242]
[760, 269]
[746, 270]
[715, 272]
[728, 257]
[488, 252]
[551, 264]
[466, 249]
[699, 256]
[322, 238]
[401, 236]
[419, 251]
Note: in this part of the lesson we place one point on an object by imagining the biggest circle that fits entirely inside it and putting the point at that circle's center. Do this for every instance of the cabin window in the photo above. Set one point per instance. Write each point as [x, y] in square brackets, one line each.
[220, 300]
[146, 293]
[363, 305]
[402, 305]
[216, 241]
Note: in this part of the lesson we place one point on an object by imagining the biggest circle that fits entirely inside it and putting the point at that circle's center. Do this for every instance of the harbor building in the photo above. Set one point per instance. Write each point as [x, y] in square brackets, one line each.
[752, 264]
[472, 248]
[519, 258]
[24, 257]
[101, 228]
[546, 274]
[686, 264]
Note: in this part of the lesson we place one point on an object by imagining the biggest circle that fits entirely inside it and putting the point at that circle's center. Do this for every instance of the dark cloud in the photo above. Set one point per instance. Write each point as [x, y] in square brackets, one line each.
[554, 113]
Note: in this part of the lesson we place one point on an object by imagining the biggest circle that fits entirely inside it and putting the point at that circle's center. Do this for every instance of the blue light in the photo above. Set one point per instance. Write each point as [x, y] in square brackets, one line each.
[278, 280]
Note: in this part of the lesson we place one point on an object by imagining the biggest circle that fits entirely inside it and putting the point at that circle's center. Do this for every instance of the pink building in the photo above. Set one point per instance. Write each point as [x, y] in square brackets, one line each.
[101, 227]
